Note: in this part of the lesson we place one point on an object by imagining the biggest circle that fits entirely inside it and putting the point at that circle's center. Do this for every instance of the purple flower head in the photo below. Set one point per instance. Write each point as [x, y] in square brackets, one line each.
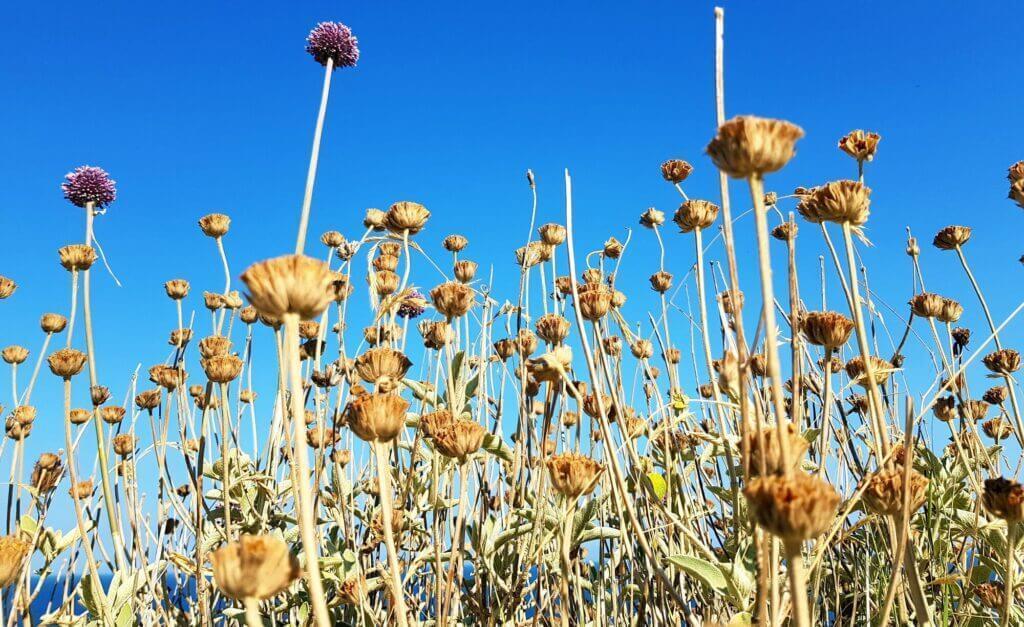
[89, 185]
[413, 305]
[333, 40]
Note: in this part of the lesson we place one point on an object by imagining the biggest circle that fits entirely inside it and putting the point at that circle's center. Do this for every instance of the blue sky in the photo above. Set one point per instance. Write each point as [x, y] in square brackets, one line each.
[197, 107]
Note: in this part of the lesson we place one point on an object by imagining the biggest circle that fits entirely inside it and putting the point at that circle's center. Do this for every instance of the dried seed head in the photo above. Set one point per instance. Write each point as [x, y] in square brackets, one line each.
[731, 301]
[47, 472]
[796, 447]
[377, 417]
[222, 368]
[124, 444]
[7, 287]
[384, 282]
[505, 348]
[951, 311]
[944, 408]
[661, 282]
[595, 299]
[997, 428]
[406, 217]
[180, 337]
[14, 354]
[176, 289]
[552, 234]
[1017, 193]
[952, 237]
[13, 551]
[254, 567]
[148, 399]
[79, 416]
[459, 439]
[52, 323]
[837, 201]
[214, 345]
[1004, 498]
[75, 257]
[167, 377]
[526, 342]
[332, 239]
[618, 299]
[380, 362]
[309, 329]
[553, 328]
[633, 427]
[321, 438]
[385, 262]
[612, 345]
[465, 270]
[613, 248]
[747, 146]
[1005, 361]
[292, 284]
[785, 232]
[826, 328]
[695, 214]
[374, 219]
[436, 334]
[858, 371]
[452, 299]
[455, 243]
[433, 422]
[100, 394]
[532, 254]
[81, 490]
[675, 170]
[112, 414]
[652, 218]
[990, 594]
[885, 491]
[995, 395]
[215, 224]
[926, 305]
[973, 410]
[66, 362]
[214, 301]
[642, 349]
[861, 145]
[573, 475]
[794, 508]
[961, 336]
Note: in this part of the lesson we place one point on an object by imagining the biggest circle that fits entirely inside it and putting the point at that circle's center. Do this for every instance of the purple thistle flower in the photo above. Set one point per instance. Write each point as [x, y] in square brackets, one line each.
[413, 305]
[88, 184]
[333, 40]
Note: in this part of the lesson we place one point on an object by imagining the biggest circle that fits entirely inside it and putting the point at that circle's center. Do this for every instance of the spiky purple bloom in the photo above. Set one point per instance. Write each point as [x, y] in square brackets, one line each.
[413, 305]
[333, 40]
[88, 184]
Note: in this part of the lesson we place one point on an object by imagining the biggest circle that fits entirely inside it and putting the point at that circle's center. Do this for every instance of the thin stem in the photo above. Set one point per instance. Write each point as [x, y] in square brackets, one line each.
[380, 450]
[307, 198]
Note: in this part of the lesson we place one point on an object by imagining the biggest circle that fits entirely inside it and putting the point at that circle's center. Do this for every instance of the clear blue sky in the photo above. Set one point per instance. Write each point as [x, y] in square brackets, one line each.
[198, 106]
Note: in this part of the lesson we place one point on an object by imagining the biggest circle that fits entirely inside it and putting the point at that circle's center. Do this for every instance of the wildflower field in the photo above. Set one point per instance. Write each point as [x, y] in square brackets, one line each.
[373, 430]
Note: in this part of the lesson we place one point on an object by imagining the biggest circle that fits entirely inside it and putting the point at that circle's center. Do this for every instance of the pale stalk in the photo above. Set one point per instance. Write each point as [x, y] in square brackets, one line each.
[380, 450]
[101, 445]
[301, 492]
[307, 198]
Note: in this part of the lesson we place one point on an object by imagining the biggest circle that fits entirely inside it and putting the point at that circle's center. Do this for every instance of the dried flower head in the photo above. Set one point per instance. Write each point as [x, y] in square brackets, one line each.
[952, 237]
[661, 281]
[292, 284]
[927, 305]
[380, 362]
[254, 567]
[552, 234]
[77, 257]
[675, 170]
[406, 217]
[215, 224]
[573, 475]
[222, 368]
[88, 184]
[785, 232]
[973, 410]
[951, 311]
[595, 299]
[7, 287]
[66, 362]
[452, 299]
[997, 428]
[995, 395]
[148, 400]
[796, 447]
[333, 41]
[455, 243]
[652, 218]
[14, 354]
[177, 289]
[47, 472]
[861, 145]
[377, 417]
[884, 492]
[794, 508]
[1005, 361]
[124, 444]
[731, 301]
[112, 414]
[837, 201]
[1004, 498]
[459, 439]
[52, 323]
[826, 328]
[613, 248]
[13, 551]
[553, 328]
[747, 146]
[858, 371]
[695, 214]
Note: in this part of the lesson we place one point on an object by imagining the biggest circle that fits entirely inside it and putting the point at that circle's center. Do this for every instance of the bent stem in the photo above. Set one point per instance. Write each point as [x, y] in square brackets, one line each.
[301, 491]
[380, 450]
